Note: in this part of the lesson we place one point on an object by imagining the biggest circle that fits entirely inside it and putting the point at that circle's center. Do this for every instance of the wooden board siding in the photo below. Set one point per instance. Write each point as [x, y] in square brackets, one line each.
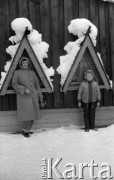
[51, 18]
[54, 118]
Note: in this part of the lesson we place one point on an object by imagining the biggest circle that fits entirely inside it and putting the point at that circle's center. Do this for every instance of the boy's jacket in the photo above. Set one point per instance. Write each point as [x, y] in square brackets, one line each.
[83, 92]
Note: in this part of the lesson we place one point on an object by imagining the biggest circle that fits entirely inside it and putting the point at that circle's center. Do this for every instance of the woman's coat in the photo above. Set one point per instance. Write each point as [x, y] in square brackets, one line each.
[27, 104]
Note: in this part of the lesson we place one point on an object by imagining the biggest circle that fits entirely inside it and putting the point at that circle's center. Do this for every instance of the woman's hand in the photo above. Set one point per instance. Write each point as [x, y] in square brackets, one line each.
[79, 104]
[27, 91]
[98, 104]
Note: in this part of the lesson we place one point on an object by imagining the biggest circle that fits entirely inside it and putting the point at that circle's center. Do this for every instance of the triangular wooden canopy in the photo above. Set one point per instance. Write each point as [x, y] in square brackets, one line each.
[88, 54]
[25, 46]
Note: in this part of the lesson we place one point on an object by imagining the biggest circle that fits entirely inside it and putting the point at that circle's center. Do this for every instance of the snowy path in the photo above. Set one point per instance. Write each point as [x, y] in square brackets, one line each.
[20, 158]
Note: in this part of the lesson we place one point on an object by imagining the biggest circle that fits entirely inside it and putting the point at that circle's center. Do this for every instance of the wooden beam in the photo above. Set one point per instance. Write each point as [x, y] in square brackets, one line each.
[13, 92]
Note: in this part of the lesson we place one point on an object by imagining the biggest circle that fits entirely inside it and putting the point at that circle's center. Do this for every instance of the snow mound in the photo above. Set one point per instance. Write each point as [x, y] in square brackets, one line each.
[12, 50]
[40, 47]
[19, 25]
[35, 37]
[3, 76]
[77, 27]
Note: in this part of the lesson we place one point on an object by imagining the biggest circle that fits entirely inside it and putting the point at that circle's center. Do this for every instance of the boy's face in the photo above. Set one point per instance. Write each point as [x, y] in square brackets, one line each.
[89, 77]
[24, 64]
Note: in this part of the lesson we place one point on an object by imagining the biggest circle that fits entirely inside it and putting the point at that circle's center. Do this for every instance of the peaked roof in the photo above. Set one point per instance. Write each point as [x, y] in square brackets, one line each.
[87, 45]
[25, 45]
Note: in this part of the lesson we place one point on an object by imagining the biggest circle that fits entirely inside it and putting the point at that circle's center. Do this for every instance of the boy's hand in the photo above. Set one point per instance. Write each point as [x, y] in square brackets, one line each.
[42, 104]
[79, 104]
[98, 104]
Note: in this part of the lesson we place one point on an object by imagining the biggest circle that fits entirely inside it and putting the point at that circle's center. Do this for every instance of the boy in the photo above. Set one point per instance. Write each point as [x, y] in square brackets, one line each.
[89, 97]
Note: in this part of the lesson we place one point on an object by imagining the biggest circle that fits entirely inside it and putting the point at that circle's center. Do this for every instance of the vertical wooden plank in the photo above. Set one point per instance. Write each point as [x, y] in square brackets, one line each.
[13, 14]
[94, 18]
[61, 42]
[108, 55]
[61, 26]
[102, 97]
[38, 17]
[83, 9]
[3, 36]
[45, 27]
[32, 9]
[86, 9]
[23, 8]
[93, 12]
[5, 103]
[102, 32]
[0, 103]
[75, 8]
[12, 101]
[5, 100]
[111, 27]
[108, 64]
[108, 98]
[13, 8]
[68, 99]
[68, 16]
[102, 38]
[55, 51]
[7, 23]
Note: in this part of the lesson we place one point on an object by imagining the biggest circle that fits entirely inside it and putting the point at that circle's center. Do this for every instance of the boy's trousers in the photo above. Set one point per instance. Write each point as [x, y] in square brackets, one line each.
[89, 114]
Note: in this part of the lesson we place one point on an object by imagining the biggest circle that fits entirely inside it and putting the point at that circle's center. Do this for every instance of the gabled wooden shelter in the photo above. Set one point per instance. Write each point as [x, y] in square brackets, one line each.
[25, 47]
[87, 58]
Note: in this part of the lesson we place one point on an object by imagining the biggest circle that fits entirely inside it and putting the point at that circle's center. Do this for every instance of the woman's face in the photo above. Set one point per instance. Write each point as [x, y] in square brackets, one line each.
[89, 77]
[25, 64]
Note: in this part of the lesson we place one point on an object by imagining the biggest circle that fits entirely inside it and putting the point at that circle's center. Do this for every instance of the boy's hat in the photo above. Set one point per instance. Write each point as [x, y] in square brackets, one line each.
[89, 71]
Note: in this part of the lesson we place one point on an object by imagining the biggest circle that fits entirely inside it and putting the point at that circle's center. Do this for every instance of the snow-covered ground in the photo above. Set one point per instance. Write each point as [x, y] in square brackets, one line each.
[21, 158]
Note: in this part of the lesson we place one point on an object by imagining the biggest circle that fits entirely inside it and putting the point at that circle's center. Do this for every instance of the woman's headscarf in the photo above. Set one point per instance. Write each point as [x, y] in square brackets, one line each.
[24, 58]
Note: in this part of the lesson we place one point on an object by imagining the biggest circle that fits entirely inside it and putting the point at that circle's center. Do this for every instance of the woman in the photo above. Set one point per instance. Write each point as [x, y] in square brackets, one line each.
[89, 97]
[26, 85]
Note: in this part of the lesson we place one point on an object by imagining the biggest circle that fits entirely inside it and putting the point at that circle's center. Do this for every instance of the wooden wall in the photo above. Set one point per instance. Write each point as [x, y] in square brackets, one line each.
[54, 118]
[51, 18]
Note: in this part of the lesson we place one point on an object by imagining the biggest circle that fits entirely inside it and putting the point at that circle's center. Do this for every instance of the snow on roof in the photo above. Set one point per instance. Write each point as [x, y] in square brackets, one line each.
[35, 38]
[19, 25]
[77, 27]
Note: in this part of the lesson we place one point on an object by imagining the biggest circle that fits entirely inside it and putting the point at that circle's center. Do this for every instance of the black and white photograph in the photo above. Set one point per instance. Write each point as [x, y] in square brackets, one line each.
[56, 89]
